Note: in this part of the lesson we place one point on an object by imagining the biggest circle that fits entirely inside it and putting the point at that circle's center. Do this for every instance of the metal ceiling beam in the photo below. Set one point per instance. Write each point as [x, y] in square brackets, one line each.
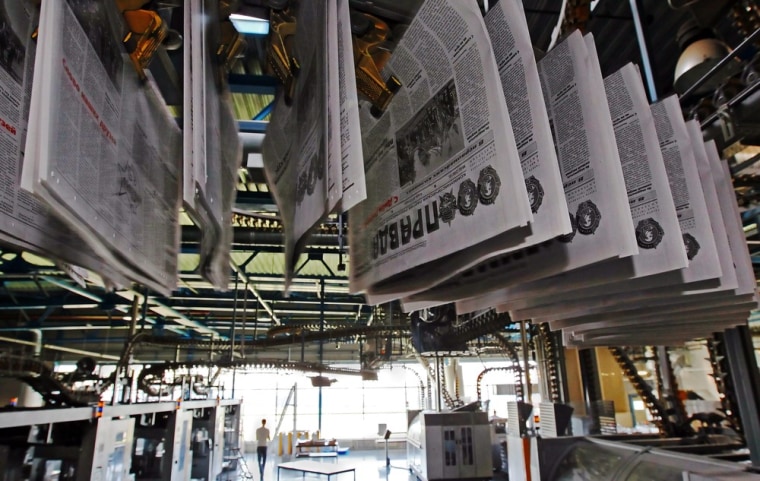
[53, 347]
[39, 305]
[94, 297]
[247, 198]
[64, 327]
[252, 126]
[72, 288]
[643, 50]
[250, 236]
[168, 312]
[252, 84]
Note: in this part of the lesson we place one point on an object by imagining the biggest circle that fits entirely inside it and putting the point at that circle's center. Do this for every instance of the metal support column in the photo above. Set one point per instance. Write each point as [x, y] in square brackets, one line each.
[741, 361]
[232, 334]
[321, 346]
[526, 368]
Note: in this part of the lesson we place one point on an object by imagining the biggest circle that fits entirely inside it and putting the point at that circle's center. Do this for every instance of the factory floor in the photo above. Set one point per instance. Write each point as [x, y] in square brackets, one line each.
[370, 466]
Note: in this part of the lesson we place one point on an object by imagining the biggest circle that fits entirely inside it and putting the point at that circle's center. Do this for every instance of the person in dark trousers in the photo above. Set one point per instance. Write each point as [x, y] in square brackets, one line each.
[262, 437]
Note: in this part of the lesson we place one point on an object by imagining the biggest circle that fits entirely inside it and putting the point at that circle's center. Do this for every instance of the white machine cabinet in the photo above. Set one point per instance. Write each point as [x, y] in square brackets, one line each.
[450, 446]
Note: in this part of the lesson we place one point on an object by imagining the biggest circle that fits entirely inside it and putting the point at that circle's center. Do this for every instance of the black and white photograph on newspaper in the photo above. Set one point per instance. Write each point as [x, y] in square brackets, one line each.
[13, 27]
[433, 135]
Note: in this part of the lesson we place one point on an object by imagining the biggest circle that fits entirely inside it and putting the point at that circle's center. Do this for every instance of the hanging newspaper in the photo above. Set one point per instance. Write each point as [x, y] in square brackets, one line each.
[212, 147]
[191, 25]
[660, 286]
[677, 298]
[25, 222]
[334, 183]
[694, 221]
[442, 168]
[352, 159]
[102, 150]
[654, 290]
[513, 52]
[661, 332]
[658, 234]
[218, 267]
[593, 180]
[736, 295]
[195, 159]
[737, 241]
[690, 203]
[295, 147]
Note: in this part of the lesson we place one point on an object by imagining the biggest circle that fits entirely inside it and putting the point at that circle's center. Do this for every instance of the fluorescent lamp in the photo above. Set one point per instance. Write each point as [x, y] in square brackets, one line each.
[248, 25]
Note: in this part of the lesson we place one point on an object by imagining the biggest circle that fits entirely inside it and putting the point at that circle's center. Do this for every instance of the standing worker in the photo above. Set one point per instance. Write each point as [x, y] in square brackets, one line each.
[262, 437]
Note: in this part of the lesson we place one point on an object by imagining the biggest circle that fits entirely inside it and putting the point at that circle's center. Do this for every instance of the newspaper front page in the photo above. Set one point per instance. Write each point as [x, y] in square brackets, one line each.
[593, 183]
[25, 221]
[442, 169]
[106, 150]
[696, 323]
[513, 52]
[658, 234]
[737, 241]
[295, 147]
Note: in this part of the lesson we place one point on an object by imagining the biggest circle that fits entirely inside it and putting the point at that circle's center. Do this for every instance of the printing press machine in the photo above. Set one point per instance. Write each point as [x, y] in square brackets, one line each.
[144, 441]
[450, 445]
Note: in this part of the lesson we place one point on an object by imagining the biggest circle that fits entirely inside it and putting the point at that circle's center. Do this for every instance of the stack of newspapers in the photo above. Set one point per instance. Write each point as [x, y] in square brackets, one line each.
[495, 180]
[93, 170]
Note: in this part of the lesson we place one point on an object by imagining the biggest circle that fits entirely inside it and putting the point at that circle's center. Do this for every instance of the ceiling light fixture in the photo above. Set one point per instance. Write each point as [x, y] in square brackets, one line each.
[249, 25]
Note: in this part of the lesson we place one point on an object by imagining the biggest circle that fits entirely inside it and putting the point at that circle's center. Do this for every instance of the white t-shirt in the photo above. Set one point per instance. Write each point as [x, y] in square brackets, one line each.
[262, 436]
